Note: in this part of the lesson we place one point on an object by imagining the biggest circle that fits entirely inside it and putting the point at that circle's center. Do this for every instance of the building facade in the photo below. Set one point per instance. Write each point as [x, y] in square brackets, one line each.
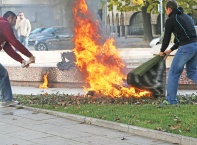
[43, 13]
[131, 23]
[48, 13]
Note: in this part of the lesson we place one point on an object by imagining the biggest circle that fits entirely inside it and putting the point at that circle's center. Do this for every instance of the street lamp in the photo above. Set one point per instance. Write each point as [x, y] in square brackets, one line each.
[105, 11]
[160, 9]
[104, 15]
[1, 7]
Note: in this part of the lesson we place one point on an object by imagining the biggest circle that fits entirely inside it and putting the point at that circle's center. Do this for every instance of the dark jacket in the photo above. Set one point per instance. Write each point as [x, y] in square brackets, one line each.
[182, 26]
[7, 39]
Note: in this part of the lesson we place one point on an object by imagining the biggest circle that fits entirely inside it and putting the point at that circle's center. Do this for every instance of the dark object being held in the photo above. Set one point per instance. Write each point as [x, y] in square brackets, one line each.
[150, 76]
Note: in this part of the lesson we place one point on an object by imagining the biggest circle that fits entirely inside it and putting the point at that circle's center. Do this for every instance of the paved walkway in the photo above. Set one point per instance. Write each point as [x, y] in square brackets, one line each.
[35, 91]
[23, 127]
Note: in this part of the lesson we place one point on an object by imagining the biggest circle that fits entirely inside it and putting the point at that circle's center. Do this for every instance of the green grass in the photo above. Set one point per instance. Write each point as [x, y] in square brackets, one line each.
[181, 119]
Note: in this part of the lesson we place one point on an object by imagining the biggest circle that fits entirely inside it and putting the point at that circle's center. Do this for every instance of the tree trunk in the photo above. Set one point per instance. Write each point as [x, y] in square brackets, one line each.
[148, 36]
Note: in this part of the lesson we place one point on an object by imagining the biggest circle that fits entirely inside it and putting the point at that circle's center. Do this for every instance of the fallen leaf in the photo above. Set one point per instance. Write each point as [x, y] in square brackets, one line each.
[117, 119]
[123, 138]
[175, 127]
[155, 140]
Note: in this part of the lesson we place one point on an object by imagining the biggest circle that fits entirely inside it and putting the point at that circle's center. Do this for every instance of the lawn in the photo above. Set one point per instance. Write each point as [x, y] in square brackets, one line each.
[180, 119]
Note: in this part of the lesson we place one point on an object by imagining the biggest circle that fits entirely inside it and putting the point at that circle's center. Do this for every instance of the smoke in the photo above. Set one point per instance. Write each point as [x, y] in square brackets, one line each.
[93, 6]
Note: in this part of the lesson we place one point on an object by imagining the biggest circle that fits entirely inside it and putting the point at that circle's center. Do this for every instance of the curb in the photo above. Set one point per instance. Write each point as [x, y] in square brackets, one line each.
[149, 133]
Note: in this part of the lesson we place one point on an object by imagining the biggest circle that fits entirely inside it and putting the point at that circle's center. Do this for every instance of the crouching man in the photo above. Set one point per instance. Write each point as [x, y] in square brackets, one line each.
[7, 40]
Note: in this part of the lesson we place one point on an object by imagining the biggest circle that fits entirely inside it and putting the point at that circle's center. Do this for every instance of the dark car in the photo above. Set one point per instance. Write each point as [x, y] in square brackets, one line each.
[61, 39]
[37, 30]
[48, 32]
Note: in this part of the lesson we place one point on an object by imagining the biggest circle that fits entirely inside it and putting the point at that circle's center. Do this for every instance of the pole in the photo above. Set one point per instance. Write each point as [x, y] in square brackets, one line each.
[1, 7]
[161, 15]
[105, 18]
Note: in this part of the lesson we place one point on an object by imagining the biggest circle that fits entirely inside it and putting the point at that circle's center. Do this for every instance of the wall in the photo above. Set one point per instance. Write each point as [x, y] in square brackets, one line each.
[43, 13]
[16, 2]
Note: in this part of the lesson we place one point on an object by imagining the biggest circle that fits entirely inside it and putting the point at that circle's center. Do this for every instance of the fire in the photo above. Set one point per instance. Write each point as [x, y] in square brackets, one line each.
[45, 83]
[98, 58]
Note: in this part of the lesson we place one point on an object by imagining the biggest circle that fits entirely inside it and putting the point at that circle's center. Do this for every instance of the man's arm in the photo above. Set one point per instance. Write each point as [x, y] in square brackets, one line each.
[12, 53]
[167, 35]
[28, 27]
[8, 34]
[17, 24]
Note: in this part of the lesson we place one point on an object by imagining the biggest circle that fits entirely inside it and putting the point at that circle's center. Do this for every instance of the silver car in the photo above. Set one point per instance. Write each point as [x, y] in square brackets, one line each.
[158, 40]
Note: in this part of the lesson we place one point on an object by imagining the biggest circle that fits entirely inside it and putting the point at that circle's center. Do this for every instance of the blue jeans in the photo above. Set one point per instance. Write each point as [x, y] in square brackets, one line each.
[185, 55]
[23, 40]
[5, 87]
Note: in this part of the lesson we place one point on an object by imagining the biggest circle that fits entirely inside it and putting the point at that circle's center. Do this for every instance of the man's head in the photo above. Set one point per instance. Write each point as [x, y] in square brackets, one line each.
[11, 17]
[21, 15]
[170, 5]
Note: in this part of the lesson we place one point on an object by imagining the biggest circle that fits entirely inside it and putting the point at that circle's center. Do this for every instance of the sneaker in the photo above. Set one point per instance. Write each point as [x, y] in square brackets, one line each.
[9, 103]
[165, 103]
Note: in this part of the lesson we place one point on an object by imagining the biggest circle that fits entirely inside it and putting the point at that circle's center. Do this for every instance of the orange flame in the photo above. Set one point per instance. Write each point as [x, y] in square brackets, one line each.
[45, 83]
[98, 59]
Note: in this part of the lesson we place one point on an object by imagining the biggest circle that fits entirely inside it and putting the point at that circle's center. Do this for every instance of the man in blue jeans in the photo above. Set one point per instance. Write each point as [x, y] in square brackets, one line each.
[182, 26]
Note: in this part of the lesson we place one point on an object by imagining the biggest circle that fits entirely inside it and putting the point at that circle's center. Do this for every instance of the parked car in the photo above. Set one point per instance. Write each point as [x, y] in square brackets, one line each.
[58, 40]
[48, 32]
[158, 40]
[37, 30]
[154, 42]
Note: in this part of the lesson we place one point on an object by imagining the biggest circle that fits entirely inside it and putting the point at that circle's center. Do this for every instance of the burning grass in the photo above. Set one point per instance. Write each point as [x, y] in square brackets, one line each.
[97, 57]
[64, 100]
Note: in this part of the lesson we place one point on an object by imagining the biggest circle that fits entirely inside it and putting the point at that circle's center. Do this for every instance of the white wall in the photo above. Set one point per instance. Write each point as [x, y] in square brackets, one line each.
[27, 1]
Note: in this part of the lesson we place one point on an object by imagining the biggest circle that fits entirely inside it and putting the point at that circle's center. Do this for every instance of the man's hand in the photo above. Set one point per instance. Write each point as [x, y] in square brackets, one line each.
[161, 53]
[32, 59]
[24, 64]
[165, 53]
[168, 51]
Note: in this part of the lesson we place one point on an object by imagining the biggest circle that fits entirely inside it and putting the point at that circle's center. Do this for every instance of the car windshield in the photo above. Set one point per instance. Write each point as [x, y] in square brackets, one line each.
[65, 32]
[49, 30]
[57, 30]
[37, 30]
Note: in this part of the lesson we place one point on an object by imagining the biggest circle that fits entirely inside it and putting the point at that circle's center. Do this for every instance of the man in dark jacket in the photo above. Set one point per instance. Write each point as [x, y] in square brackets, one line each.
[7, 40]
[182, 26]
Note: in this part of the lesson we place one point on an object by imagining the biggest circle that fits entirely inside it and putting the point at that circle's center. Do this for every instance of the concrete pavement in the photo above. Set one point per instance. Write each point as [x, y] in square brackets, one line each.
[35, 91]
[25, 127]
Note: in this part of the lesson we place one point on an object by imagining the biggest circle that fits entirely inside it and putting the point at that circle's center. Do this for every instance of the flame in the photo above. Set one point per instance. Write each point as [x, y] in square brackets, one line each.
[45, 83]
[97, 58]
